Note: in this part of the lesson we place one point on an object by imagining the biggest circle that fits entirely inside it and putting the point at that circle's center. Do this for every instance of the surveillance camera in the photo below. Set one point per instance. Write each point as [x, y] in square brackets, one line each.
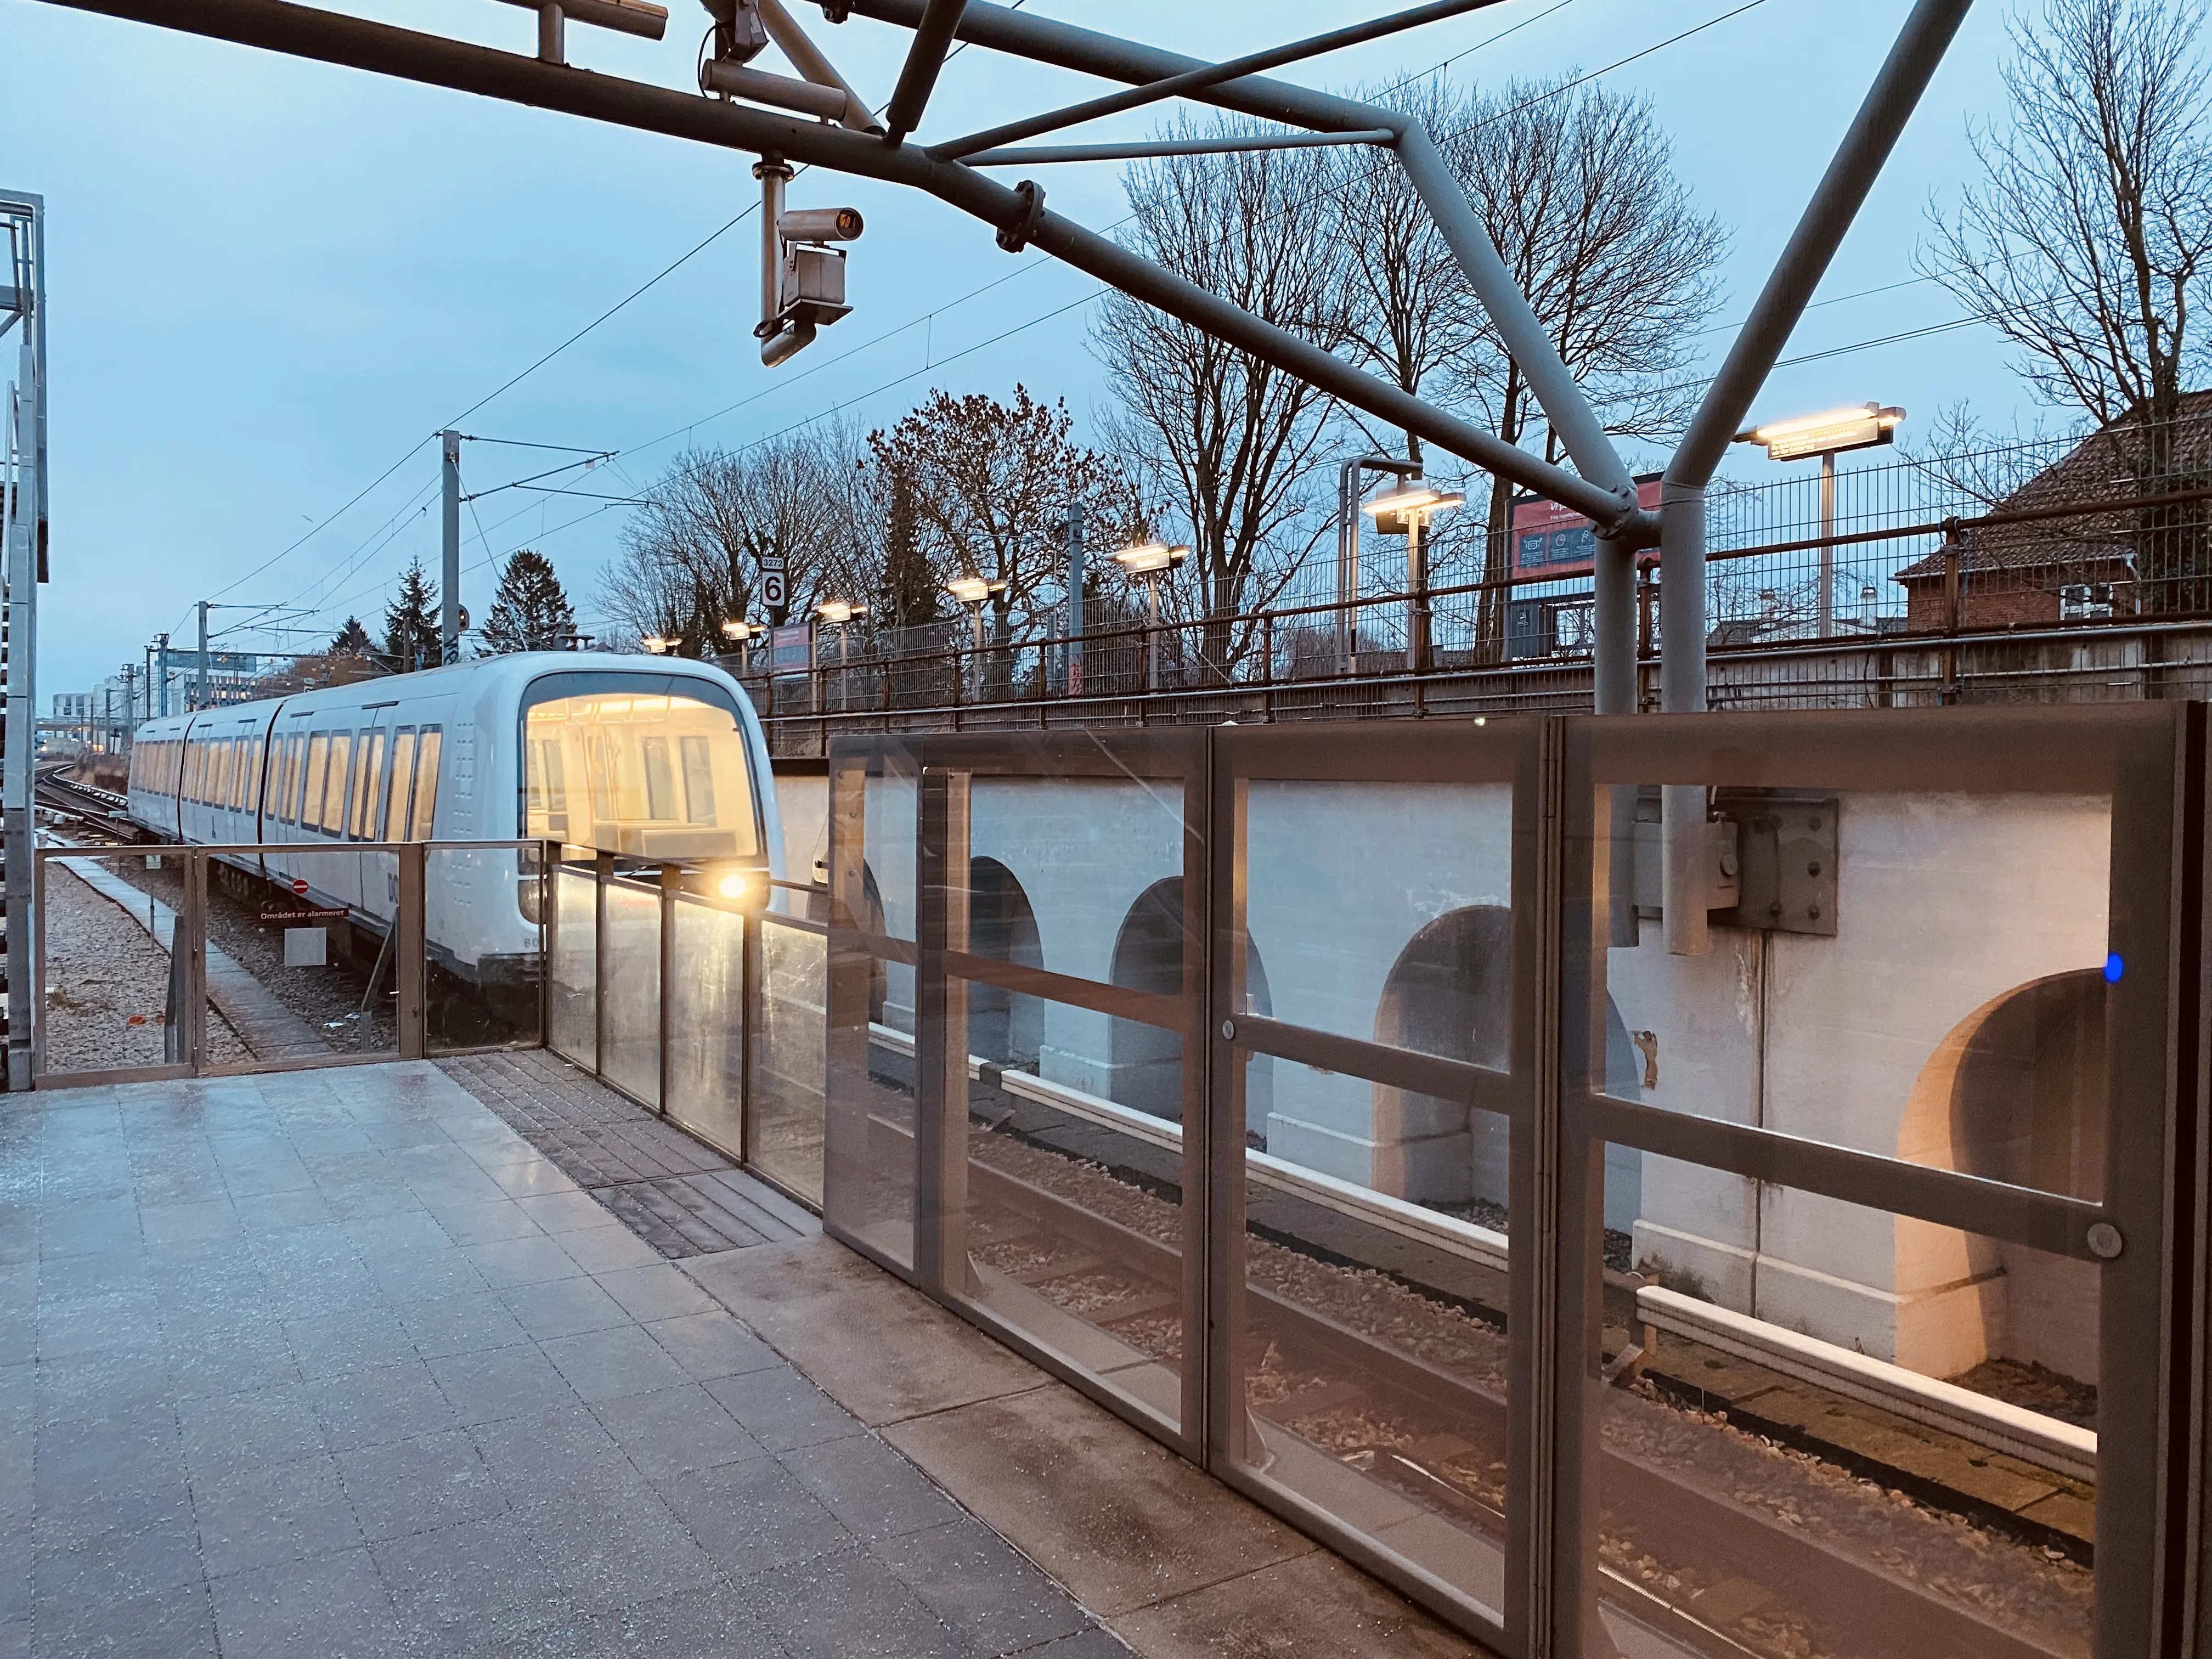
[820, 225]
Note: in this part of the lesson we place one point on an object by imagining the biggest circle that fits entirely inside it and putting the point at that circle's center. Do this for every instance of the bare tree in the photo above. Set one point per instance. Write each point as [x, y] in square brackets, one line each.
[691, 557]
[988, 486]
[1223, 443]
[2085, 243]
[1577, 185]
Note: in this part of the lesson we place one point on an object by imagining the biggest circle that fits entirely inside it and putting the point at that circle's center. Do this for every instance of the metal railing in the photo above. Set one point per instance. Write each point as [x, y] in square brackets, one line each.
[422, 947]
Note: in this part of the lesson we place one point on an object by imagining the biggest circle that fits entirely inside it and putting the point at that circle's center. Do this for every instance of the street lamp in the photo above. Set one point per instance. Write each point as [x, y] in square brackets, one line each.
[1406, 511]
[658, 644]
[742, 635]
[1351, 482]
[975, 592]
[841, 612]
[1152, 560]
[1827, 434]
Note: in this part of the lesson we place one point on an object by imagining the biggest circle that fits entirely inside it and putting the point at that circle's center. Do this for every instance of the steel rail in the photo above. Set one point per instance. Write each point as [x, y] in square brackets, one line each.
[1738, 1543]
[406, 54]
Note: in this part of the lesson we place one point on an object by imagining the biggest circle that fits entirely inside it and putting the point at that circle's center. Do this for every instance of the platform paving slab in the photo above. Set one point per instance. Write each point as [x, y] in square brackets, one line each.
[299, 1369]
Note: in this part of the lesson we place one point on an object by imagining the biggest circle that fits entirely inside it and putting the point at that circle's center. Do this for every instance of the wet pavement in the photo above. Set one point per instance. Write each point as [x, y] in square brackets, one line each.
[335, 1363]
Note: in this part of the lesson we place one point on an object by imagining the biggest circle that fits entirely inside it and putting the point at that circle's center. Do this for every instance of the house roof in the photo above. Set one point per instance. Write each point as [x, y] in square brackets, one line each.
[2102, 466]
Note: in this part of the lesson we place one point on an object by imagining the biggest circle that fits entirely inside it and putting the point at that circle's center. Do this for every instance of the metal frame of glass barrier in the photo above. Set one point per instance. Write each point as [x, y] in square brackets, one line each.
[945, 966]
[2147, 759]
[409, 968]
[728, 1132]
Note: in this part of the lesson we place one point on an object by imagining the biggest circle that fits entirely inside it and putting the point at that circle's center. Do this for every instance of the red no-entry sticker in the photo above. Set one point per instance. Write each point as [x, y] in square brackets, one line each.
[299, 885]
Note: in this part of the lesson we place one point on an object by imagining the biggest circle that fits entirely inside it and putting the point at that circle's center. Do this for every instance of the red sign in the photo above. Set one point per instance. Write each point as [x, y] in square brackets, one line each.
[299, 885]
[1551, 540]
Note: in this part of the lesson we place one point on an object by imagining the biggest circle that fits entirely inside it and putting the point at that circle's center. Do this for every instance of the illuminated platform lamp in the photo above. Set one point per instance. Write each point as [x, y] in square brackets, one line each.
[1406, 511]
[1827, 434]
[742, 634]
[1152, 561]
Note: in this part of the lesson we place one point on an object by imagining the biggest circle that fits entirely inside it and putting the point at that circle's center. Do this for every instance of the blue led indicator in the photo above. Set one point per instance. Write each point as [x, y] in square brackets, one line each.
[2114, 967]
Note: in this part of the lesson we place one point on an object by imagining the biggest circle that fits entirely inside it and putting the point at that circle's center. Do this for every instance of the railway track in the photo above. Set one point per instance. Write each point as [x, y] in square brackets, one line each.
[1767, 1589]
[102, 811]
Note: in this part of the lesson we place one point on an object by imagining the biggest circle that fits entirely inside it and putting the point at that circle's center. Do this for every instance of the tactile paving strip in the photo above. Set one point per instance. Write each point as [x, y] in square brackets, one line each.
[678, 1195]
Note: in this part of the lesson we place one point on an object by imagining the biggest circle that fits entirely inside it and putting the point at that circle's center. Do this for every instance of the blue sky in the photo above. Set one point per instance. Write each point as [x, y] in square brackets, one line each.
[271, 281]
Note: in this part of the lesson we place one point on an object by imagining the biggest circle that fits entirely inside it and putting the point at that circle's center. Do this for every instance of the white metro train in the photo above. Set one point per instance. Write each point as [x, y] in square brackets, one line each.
[656, 759]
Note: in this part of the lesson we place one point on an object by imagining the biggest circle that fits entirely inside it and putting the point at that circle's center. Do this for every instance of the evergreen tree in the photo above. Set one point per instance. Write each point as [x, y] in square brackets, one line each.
[530, 612]
[351, 640]
[411, 623]
[907, 595]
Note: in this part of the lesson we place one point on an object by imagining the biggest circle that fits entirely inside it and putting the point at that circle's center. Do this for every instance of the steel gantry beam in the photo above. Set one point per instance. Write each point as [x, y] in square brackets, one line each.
[1018, 216]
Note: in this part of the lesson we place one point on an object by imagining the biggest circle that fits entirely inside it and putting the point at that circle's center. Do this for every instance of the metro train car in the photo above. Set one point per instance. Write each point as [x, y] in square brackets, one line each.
[658, 760]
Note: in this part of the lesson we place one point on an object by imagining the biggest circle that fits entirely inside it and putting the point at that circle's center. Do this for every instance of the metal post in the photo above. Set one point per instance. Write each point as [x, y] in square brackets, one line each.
[1077, 575]
[449, 600]
[940, 1018]
[1613, 688]
[1152, 636]
[1682, 691]
[672, 878]
[193, 922]
[1347, 561]
[773, 174]
[408, 922]
[602, 870]
[161, 659]
[200, 690]
[552, 48]
[1417, 593]
[1826, 606]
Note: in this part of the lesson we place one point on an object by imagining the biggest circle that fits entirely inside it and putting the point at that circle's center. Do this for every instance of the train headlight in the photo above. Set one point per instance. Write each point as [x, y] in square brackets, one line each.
[734, 886]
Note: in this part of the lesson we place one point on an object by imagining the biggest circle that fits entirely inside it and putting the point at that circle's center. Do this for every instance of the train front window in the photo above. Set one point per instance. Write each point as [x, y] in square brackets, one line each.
[655, 777]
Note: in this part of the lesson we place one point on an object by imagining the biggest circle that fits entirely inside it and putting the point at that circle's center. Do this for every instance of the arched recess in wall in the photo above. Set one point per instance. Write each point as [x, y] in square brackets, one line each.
[1146, 1062]
[1450, 993]
[1002, 1026]
[2017, 1091]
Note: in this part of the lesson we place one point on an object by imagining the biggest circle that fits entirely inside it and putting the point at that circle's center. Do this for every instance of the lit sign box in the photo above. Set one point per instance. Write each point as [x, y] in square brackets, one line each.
[791, 650]
[1551, 540]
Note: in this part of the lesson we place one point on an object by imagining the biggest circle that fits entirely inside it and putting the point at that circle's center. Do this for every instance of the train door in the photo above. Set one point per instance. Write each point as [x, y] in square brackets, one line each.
[376, 875]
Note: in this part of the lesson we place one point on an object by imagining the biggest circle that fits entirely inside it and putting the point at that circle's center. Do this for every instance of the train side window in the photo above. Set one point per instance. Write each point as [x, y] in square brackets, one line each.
[334, 787]
[426, 783]
[219, 796]
[368, 772]
[256, 786]
[288, 777]
[698, 781]
[659, 780]
[318, 766]
[403, 783]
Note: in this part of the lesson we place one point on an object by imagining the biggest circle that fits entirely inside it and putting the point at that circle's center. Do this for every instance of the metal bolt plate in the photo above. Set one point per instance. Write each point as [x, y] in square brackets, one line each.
[2104, 1241]
[1229, 1031]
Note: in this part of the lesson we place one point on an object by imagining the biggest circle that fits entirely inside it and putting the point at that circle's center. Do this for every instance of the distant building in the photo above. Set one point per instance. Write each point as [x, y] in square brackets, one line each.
[76, 706]
[2077, 569]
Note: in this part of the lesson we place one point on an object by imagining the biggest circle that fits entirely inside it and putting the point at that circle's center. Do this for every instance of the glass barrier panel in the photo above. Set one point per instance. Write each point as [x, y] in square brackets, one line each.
[1371, 1340]
[322, 941]
[868, 1113]
[1075, 1230]
[1867, 1436]
[630, 1033]
[484, 946]
[1919, 975]
[113, 1001]
[1381, 911]
[706, 1020]
[572, 1000]
[869, 1101]
[1105, 905]
[788, 1105]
